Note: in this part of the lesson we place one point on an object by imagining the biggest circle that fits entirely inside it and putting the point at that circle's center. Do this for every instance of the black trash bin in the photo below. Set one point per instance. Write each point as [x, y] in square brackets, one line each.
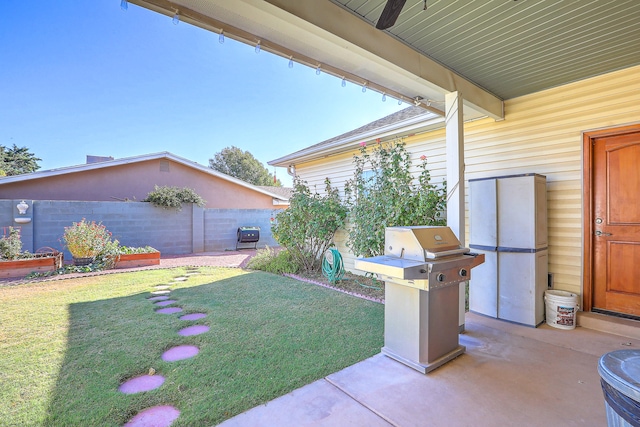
[248, 235]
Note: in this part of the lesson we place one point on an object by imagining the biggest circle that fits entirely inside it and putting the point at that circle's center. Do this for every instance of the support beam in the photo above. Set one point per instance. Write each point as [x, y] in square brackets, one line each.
[454, 127]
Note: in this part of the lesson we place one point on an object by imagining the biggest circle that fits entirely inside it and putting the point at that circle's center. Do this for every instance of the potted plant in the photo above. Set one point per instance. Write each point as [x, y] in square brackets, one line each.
[85, 240]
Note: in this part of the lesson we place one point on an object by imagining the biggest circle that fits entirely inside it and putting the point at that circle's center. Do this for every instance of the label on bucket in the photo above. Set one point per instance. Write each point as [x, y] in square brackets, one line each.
[565, 315]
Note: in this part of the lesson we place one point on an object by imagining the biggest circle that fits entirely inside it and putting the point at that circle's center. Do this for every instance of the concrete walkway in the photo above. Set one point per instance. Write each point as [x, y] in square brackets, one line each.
[510, 375]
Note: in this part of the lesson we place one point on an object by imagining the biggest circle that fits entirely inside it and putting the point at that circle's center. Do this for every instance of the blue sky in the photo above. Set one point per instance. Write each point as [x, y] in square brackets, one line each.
[85, 77]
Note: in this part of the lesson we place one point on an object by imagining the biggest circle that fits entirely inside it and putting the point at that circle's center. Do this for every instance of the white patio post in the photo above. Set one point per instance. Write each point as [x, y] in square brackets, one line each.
[455, 177]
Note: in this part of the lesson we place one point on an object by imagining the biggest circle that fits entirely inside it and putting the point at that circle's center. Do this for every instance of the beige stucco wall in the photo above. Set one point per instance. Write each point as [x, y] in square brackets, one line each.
[134, 181]
[541, 133]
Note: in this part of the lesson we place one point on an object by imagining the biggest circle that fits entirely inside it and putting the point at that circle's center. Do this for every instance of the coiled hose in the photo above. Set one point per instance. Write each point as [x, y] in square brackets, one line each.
[332, 265]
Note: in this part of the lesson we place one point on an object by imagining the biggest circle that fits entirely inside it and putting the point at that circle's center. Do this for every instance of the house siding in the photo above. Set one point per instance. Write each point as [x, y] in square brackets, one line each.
[541, 133]
[134, 181]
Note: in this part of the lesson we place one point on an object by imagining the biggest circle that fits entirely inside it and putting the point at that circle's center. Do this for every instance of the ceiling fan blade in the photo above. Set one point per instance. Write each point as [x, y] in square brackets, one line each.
[390, 14]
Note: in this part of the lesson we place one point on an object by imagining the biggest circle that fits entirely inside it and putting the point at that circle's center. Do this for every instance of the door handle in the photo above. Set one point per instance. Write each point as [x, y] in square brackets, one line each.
[600, 233]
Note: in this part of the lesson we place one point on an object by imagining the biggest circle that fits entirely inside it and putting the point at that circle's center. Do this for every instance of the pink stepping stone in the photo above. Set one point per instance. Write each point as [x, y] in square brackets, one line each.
[156, 416]
[193, 330]
[158, 298]
[180, 352]
[169, 310]
[141, 383]
[193, 316]
[164, 303]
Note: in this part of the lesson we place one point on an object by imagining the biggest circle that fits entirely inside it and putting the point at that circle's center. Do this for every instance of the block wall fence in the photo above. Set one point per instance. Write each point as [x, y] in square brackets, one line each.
[190, 230]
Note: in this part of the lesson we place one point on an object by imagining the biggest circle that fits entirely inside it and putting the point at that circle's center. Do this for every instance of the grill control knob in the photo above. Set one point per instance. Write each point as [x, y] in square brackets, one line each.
[440, 277]
[463, 272]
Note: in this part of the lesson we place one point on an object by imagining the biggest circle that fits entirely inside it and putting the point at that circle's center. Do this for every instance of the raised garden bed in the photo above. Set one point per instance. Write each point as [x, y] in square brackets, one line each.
[43, 262]
[138, 260]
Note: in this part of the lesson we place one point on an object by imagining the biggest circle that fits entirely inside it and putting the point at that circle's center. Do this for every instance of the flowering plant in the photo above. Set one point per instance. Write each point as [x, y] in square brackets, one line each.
[385, 193]
[86, 239]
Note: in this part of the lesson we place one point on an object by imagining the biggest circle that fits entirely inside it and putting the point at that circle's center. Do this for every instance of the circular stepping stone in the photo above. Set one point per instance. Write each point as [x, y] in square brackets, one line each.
[193, 330]
[160, 292]
[157, 416]
[180, 278]
[158, 298]
[169, 310]
[193, 316]
[165, 303]
[180, 352]
[141, 383]
[161, 287]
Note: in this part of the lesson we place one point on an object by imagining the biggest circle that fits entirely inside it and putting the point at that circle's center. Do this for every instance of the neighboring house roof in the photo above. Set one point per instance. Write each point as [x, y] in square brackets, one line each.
[408, 121]
[136, 159]
[284, 192]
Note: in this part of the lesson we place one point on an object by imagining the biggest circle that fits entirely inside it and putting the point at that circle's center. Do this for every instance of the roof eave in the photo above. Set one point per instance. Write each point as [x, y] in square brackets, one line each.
[407, 127]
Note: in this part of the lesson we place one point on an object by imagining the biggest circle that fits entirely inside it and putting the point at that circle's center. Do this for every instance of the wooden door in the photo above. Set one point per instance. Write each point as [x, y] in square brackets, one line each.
[616, 223]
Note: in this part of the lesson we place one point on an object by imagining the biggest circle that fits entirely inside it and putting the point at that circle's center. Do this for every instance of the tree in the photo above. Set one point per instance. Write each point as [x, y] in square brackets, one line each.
[242, 165]
[16, 161]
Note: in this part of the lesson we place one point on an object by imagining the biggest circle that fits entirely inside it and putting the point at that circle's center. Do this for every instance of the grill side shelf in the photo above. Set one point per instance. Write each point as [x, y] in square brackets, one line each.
[394, 267]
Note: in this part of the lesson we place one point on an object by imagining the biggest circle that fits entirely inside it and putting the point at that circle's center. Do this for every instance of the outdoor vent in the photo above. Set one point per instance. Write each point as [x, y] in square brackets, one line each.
[164, 165]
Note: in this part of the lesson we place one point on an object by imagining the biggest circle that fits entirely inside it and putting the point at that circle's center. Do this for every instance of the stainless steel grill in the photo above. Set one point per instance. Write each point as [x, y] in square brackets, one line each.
[422, 267]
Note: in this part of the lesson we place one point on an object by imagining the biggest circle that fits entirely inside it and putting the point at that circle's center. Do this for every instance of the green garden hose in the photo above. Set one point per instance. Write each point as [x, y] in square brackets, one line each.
[332, 266]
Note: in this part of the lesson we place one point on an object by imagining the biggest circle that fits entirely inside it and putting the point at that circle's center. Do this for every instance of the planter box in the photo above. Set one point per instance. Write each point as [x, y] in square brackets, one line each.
[138, 260]
[22, 267]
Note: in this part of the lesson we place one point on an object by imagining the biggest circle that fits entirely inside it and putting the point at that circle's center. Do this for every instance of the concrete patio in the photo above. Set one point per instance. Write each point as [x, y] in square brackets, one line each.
[510, 375]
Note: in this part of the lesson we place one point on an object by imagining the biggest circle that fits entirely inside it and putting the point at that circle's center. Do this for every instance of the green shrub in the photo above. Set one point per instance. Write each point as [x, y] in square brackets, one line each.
[11, 245]
[384, 193]
[173, 197]
[136, 250]
[108, 256]
[279, 263]
[307, 227]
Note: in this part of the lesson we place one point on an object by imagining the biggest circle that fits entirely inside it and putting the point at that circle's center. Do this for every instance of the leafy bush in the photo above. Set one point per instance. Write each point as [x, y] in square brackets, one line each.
[11, 245]
[173, 197]
[273, 262]
[107, 257]
[86, 239]
[307, 227]
[384, 193]
[136, 250]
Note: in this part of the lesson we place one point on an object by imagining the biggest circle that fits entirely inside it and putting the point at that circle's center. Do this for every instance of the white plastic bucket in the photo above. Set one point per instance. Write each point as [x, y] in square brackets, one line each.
[562, 308]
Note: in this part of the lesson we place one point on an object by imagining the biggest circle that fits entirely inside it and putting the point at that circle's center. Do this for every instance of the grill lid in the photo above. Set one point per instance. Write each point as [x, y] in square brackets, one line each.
[421, 243]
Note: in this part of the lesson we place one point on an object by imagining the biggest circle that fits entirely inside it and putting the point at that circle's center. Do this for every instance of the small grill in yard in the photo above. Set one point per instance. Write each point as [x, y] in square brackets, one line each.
[248, 235]
[422, 268]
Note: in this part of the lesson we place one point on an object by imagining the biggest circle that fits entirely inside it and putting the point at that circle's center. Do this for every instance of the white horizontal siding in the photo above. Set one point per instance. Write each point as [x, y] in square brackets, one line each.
[541, 133]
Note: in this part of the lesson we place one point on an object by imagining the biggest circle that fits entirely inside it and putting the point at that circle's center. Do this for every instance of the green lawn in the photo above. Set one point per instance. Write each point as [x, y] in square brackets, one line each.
[66, 346]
